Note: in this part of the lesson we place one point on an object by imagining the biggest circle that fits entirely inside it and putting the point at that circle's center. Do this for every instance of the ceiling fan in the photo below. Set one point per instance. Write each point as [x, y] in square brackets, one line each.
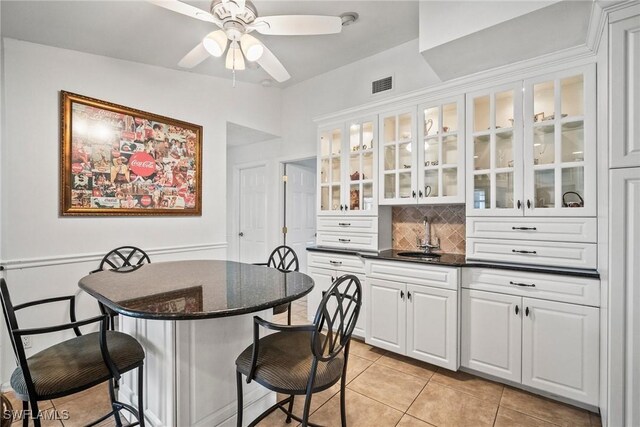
[236, 20]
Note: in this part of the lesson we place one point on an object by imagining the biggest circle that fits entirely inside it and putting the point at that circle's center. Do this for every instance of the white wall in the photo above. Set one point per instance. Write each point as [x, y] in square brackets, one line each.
[344, 87]
[31, 227]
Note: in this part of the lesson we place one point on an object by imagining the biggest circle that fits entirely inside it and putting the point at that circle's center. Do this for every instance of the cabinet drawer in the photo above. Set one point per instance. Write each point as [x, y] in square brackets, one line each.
[557, 254]
[583, 230]
[350, 263]
[348, 224]
[577, 290]
[440, 277]
[359, 241]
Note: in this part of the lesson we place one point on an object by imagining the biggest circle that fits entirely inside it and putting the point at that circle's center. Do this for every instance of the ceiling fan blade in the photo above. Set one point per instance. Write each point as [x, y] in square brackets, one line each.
[194, 57]
[273, 66]
[186, 9]
[297, 25]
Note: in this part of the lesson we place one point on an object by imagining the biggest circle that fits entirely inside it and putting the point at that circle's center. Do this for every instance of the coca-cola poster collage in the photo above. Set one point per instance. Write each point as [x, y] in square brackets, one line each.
[125, 162]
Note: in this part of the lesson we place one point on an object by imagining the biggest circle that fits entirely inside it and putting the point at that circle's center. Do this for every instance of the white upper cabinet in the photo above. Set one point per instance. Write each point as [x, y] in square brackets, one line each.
[560, 144]
[398, 155]
[440, 160]
[422, 154]
[347, 155]
[533, 156]
[494, 151]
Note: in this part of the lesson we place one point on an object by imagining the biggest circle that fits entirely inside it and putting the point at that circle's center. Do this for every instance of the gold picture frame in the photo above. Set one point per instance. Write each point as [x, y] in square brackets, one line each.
[118, 161]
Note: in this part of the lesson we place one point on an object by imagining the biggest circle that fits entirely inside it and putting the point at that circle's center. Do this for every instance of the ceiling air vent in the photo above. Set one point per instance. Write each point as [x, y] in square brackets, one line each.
[382, 85]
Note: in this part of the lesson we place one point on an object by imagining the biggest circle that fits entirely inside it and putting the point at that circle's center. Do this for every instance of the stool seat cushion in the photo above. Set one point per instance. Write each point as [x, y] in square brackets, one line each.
[284, 363]
[76, 364]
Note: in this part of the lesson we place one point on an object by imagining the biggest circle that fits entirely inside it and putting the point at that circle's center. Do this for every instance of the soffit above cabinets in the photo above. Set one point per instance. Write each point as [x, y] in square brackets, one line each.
[524, 31]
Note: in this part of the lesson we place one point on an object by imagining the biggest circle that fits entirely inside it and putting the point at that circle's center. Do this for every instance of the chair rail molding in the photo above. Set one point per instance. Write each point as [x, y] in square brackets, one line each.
[20, 263]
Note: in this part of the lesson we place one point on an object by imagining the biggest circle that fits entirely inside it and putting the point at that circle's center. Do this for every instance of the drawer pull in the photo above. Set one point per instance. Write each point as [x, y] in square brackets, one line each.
[524, 228]
[344, 224]
[523, 252]
[517, 310]
[344, 240]
[335, 262]
[526, 285]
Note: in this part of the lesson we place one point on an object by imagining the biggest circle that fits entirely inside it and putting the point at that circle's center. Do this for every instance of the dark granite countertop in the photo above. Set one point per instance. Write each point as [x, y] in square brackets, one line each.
[184, 290]
[456, 260]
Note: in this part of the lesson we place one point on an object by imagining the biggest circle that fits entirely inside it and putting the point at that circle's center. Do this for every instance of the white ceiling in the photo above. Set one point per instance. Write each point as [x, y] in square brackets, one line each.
[142, 32]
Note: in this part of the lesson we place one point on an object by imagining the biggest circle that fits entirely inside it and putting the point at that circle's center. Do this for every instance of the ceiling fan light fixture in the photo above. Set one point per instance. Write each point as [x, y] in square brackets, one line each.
[235, 60]
[251, 47]
[215, 43]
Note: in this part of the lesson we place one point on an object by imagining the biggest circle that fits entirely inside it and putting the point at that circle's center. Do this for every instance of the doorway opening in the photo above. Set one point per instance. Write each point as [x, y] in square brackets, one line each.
[299, 206]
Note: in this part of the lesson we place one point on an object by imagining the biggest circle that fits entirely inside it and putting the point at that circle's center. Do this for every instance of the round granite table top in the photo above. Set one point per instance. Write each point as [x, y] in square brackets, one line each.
[184, 290]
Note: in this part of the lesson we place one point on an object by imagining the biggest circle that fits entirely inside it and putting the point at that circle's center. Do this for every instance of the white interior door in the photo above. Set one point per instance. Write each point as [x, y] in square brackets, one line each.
[252, 232]
[301, 210]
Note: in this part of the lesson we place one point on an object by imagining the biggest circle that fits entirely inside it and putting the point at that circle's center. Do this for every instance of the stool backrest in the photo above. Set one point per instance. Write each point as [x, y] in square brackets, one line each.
[124, 256]
[284, 259]
[336, 317]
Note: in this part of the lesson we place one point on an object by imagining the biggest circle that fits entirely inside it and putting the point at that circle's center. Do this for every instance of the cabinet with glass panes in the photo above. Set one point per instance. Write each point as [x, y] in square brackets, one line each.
[526, 159]
[346, 164]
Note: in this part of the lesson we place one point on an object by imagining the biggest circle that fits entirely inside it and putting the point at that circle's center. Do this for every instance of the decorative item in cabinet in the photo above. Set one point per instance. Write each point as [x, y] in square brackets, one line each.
[347, 167]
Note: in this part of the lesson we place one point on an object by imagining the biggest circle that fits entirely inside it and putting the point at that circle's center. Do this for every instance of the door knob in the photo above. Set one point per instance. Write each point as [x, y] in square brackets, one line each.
[241, 234]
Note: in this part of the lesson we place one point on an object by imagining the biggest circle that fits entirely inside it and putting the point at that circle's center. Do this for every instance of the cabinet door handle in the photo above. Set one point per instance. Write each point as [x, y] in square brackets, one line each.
[332, 280]
[341, 207]
[402, 295]
[409, 295]
[346, 207]
[344, 224]
[335, 262]
[528, 204]
[523, 252]
[419, 193]
[519, 204]
[517, 310]
[413, 194]
[344, 240]
[524, 228]
[526, 311]
[526, 285]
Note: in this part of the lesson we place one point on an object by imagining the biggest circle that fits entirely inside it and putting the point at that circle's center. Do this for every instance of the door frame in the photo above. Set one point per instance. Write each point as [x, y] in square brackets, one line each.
[235, 226]
[282, 161]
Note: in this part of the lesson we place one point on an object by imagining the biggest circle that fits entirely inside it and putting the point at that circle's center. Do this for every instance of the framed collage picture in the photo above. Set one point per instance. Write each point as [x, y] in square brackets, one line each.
[115, 160]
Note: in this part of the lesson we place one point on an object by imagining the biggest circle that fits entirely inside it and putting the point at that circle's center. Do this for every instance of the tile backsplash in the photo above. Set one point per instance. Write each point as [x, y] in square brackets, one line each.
[447, 223]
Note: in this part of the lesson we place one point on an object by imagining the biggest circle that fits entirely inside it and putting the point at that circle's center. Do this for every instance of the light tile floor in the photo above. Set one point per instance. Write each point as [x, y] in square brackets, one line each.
[386, 390]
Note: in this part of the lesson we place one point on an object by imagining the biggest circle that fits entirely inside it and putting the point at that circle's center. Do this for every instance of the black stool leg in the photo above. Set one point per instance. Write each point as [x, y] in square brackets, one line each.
[289, 314]
[114, 407]
[35, 412]
[288, 420]
[25, 408]
[140, 396]
[240, 403]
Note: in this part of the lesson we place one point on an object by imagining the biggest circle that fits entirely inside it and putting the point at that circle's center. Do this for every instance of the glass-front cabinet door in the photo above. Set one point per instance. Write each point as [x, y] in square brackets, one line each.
[494, 157]
[397, 157]
[347, 164]
[560, 146]
[361, 189]
[330, 169]
[440, 170]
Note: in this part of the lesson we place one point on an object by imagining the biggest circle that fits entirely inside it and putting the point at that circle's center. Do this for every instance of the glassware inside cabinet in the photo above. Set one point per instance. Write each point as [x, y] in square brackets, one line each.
[431, 152]
[367, 196]
[504, 110]
[431, 183]
[481, 191]
[335, 197]
[390, 157]
[504, 190]
[481, 152]
[405, 185]
[354, 138]
[504, 149]
[367, 165]
[450, 117]
[335, 170]
[543, 102]
[404, 156]
[431, 121]
[544, 144]
[450, 182]
[324, 171]
[405, 127]
[573, 187]
[573, 141]
[367, 136]
[450, 150]
[544, 182]
[389, 185]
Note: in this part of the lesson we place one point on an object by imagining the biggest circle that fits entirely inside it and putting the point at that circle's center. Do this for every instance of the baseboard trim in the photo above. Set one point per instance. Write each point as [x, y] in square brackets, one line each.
[14, 264]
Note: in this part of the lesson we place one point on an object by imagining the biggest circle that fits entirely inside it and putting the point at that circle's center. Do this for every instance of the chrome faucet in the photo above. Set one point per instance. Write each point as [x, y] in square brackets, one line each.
[426, 243]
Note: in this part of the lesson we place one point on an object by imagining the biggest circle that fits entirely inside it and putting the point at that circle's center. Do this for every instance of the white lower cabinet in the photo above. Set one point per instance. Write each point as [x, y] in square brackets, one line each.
[415, 320]
[550, 346]
[334, 267]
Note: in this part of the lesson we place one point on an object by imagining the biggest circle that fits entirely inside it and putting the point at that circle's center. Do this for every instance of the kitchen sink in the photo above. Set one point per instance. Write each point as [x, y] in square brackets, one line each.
[422, 255]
